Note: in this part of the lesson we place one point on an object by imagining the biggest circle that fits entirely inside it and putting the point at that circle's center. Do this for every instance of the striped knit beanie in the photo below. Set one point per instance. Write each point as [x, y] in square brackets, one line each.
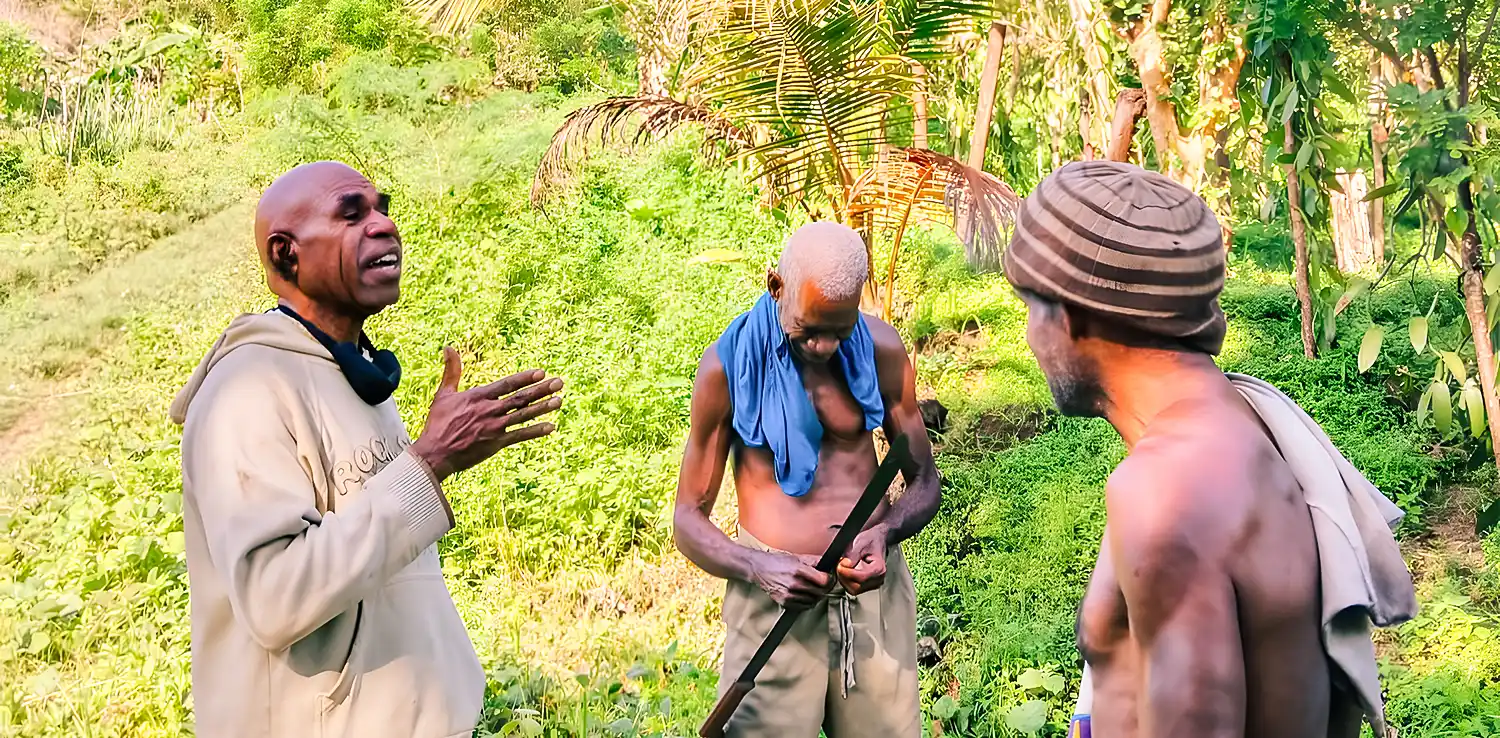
[1126, 244]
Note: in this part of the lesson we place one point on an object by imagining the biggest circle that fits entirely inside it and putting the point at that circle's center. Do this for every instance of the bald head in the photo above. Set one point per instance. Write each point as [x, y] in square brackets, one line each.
[324, 236]
[826, 254]
[290, 198]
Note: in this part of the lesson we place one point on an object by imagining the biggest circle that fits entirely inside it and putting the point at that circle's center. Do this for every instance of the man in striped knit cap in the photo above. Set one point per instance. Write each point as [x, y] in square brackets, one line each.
[1243, 558]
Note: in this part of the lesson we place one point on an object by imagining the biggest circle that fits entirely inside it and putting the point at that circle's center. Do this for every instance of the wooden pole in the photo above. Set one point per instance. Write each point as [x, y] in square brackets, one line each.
[919, 106]
[980, 137]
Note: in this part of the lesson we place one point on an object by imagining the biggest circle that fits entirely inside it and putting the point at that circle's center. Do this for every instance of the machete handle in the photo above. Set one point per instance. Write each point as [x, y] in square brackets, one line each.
[713, 727]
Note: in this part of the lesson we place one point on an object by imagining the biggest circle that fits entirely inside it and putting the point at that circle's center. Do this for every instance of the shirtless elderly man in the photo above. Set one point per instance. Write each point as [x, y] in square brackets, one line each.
[793, 389]
[1228, 599]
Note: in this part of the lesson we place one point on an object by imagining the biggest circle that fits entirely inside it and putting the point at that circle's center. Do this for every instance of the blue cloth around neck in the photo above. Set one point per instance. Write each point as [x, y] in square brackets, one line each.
[374, 379]
[771, 406]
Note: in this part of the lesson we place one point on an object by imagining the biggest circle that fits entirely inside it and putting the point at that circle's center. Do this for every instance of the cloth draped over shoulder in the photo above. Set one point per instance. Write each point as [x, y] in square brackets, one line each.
[771, 407]
[1364, 579]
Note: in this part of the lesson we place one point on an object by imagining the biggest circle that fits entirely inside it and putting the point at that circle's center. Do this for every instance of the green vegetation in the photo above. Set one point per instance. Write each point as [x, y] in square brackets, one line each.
[124, 250]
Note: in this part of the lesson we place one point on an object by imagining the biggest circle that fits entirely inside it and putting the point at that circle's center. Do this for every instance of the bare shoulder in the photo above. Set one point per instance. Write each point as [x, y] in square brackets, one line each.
[890, 350]
[1197, 479]
[710, 365]
[711, 403]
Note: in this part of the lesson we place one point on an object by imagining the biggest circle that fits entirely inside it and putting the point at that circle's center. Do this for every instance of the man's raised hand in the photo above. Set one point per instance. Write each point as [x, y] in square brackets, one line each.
[469, 426]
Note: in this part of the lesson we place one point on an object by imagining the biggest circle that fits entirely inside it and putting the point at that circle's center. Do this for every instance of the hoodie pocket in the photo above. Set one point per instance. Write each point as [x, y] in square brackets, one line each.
[330, 723]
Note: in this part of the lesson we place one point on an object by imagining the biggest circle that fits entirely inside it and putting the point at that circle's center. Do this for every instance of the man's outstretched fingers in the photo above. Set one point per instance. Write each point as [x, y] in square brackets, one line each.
[530, 412]
[526, 434]
[529, 395]
[453, 368]
[502, 387]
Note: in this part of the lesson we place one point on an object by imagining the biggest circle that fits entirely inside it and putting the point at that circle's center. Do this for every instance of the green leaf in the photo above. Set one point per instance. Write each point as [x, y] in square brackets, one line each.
[1382, 192]
[1335, 85]
[1031, 679]
[1291, 106]
[175, 543]
[1369, 347]
[1353, 291]
[1424, 406]
[1442, 407]
[944, 708]
[716, 256]
[1457, 221]
[1028, 717]
[1055, 683]
[1305, 153]
[1492, 280]
[1418, 330]
[1455, 364]
[1474, 408]
[39, 642]
[621, 727]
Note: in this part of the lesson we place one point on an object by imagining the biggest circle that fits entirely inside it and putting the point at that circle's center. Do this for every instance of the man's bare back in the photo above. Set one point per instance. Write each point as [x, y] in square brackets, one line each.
[1208, 577]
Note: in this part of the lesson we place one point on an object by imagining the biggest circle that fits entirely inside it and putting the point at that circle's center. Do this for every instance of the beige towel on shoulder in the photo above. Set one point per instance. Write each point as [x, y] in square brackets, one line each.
[1364, 578]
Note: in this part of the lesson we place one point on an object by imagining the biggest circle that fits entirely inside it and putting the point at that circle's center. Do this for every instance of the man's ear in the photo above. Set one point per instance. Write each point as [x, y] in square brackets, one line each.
[1075, 322]
[281, 251]
[774, 285]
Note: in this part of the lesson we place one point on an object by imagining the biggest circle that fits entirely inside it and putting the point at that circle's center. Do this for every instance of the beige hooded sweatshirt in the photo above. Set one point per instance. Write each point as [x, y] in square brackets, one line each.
[318, 605]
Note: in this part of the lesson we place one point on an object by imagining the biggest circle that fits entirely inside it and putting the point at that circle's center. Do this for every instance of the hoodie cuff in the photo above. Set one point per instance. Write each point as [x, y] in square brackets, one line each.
[421, 498]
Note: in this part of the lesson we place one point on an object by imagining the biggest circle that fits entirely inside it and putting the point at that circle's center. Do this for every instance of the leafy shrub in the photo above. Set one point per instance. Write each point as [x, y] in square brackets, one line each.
[20, 64]
[368, 81]
[296, 41]
[14, 171]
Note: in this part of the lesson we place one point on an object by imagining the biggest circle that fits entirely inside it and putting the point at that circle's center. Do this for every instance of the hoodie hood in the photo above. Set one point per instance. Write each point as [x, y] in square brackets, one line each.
[274, 329]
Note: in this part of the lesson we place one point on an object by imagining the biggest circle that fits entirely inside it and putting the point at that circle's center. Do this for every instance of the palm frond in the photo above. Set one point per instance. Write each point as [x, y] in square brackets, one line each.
[631, 120]
[924, 29]
[450, 16]
[919, 184]
[811, 72]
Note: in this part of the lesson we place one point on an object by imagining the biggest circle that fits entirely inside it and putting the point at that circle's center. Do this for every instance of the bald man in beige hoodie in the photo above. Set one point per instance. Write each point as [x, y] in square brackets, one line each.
[318, 604]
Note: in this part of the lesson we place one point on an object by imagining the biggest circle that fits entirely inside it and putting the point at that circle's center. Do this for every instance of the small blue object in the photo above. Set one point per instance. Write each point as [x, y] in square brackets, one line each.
[770, 404]
[1079, 727]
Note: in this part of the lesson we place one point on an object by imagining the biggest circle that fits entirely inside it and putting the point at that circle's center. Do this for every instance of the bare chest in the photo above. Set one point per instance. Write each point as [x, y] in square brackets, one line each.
[841, 415]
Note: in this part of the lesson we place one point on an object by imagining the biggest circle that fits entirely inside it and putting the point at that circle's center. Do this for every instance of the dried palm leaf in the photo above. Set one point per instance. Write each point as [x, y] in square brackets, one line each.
[631, 121]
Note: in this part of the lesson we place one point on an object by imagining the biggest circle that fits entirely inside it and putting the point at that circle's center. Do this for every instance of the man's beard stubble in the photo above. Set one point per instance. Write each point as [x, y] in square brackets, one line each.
[1076, 391]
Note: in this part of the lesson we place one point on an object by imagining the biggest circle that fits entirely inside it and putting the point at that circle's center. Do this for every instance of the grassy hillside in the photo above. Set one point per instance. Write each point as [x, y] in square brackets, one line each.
[589, 622]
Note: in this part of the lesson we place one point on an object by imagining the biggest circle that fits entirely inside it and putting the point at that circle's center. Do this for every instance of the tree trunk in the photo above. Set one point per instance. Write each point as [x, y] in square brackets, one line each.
[1299, 241]
[980, 137]
[1086, 125]
[660, 30]
[1479, 325]
[1148, 50]
[1094, 95]
[1130, 105]
[1379, 136]
[919, 106]
[652, 68]
[1353, 246]
[1204, 157]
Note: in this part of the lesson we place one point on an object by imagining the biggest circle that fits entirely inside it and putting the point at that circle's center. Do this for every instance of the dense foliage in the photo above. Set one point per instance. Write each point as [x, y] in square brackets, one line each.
[127, 165]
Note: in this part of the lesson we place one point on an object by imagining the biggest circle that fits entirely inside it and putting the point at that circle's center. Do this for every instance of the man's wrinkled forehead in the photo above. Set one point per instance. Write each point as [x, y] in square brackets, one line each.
[320, 187]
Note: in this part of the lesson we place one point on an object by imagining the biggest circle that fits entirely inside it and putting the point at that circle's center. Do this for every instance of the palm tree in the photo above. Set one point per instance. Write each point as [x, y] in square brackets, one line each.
[815, 95]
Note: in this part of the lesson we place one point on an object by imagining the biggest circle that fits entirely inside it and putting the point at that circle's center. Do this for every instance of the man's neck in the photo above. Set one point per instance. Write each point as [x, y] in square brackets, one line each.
[339, 326]
[1149, 381]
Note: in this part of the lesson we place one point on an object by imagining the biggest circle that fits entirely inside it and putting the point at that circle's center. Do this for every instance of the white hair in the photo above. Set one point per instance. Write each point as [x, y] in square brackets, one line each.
[828, 254]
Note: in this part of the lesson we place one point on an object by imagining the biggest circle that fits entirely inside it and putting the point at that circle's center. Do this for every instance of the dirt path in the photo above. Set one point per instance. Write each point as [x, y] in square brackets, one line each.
[48, 342]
